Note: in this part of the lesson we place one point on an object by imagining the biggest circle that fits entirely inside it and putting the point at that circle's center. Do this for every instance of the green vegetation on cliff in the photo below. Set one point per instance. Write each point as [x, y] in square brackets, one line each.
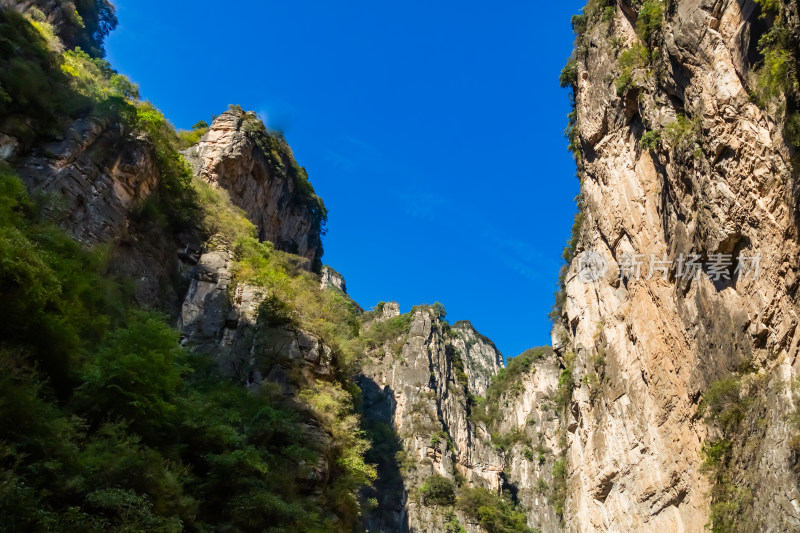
[778, 76]
[106, 421]
[495, 513]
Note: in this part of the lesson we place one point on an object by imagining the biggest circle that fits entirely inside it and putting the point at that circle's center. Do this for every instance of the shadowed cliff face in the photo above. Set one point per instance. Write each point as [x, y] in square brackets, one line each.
[676, 159]
[428, 397]
[259, 172]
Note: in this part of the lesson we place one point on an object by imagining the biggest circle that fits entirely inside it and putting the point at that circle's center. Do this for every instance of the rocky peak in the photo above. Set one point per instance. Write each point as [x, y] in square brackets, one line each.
[259, 172]
[481, 358]
[331, 278]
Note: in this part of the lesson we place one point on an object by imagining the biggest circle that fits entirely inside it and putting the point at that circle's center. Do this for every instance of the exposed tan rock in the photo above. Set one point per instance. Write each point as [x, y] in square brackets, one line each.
[419, 394]
[233, 156]
[635, 437]
[93, 178]
[331, 278]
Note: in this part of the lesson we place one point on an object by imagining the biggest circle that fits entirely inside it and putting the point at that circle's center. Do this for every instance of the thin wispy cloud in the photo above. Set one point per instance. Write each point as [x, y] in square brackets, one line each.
[424, 205]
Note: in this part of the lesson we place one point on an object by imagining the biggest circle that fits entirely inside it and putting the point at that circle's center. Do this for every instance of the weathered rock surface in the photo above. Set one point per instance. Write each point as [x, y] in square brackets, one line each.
[259, 172]
[60, 14]
[94, 183]
[331, 278]
[93, 178]
[480, 356]
[647, 349]
[423, 394]
[419, 395]
[222, 319]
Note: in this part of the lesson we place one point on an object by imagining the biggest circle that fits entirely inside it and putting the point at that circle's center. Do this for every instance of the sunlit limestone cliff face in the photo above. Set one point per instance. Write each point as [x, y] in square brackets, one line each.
[684, 405]
[455, 429]
[259, 172]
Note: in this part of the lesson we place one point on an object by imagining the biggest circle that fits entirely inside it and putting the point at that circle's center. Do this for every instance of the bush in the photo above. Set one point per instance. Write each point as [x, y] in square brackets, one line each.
[494, 513]
[559, 488]
[649, 21]
[177, 198]
[723, 403]
[438, 490]
[651, 139]
[683, 133]
[713, 453]
[135, 374]
[453, 525]
[635, 57]
[528, 454]
[504, 442]
[579, 24]
[792, 129]
[569, 74]
[563, 394]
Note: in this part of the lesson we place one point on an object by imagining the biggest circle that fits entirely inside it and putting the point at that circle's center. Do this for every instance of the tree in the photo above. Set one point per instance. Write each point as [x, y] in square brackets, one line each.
[438, 490]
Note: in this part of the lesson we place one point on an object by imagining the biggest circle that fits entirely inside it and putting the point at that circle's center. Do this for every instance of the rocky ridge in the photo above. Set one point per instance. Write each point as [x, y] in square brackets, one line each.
[259, 172]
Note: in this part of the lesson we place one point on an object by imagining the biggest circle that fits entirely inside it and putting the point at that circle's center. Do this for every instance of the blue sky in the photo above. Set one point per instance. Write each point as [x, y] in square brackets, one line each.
[433, 131]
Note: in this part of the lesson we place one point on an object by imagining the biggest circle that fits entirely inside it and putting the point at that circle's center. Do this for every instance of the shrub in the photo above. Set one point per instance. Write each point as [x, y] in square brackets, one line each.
[682, 132]
[93, 20]
[528, 454]
[635, 57]
[713, 453]
[559, 487]
[438, 490]
[494, 513]
[563, 393]
[453, 525]
[651, 139]
[792, 129]
[649, 21]
[608, 13]
[722, 403]
[579, 24]
[135, 375]
[505, 441]
[569, 74]
[221, 221]
[176, 197]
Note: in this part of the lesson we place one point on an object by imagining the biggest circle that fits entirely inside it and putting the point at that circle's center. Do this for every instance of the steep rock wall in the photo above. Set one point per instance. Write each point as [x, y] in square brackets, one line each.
[259, 172]
[648, 349]
[419, 394]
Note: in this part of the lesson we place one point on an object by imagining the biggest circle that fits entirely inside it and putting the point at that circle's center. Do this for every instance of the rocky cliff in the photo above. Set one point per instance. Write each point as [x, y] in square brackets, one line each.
[259, 172]
[669, 398]
[430, 384]
[682, 382]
